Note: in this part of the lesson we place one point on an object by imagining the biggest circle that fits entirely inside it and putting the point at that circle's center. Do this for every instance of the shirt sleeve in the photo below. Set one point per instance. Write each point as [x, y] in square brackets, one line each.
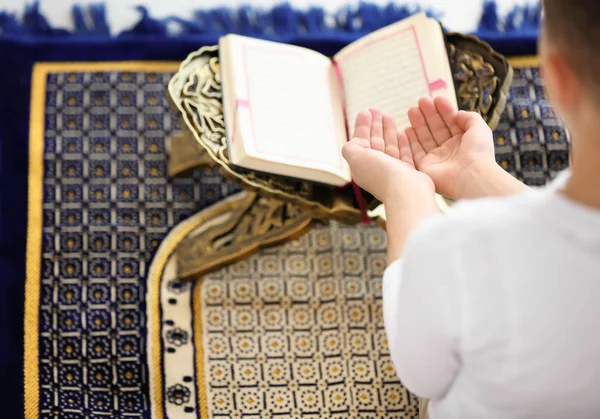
[421, 314]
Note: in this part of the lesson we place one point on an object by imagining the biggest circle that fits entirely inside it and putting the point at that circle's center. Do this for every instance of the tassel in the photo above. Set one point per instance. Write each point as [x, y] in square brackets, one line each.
[530, 17]
[79, 20]
[9, 25]
[36, 24]
[223, 20]
[533, 17]
[343, 21]
[202, 22]
[394, 13]
[147, 25]
[523, 18]
[369, 16]
[186, 27]
[98, 15]
[489, 18]
[262, 23]
[245, 20]
[314, 21]
[285, 21]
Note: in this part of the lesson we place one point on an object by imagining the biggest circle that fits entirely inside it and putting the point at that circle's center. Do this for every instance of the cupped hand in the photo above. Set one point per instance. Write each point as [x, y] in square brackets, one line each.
[447, 144]
[381, 158]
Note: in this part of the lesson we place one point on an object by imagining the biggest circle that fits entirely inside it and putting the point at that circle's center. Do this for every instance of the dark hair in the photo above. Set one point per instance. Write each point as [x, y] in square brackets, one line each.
[574, 26]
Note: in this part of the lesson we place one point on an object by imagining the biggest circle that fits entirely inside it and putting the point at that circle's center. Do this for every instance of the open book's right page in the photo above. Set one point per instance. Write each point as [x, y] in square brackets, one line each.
[393, 67]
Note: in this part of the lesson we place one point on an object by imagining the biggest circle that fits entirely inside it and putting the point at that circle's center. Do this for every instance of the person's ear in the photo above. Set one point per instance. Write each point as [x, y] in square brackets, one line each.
[562, 84]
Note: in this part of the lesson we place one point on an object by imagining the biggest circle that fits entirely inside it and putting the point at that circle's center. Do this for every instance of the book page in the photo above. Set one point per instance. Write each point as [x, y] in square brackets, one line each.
[392, 68]
[288, 106]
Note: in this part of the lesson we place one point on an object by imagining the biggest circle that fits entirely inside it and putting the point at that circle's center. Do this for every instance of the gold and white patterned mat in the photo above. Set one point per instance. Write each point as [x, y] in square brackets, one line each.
[295, 331]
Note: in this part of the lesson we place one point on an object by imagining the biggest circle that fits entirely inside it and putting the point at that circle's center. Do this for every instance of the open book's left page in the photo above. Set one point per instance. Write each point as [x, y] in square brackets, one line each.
[283, 110]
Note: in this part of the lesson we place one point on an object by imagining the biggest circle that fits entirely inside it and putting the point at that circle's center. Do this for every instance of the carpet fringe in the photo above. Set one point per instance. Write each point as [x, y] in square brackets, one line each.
[282, 20]
[520, 18]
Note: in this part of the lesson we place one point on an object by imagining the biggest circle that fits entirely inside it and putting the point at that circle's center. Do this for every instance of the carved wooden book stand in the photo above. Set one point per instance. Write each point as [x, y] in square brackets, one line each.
[271, 210]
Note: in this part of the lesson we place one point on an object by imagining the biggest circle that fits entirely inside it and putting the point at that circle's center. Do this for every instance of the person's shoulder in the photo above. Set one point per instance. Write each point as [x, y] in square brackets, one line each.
[495, 211]
[471, 219]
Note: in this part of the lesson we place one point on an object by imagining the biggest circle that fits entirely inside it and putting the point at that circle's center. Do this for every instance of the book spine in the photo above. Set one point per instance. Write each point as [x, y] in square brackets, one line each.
[340, 80]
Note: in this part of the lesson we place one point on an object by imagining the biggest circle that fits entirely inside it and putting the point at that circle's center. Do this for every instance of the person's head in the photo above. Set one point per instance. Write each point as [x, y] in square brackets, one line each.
[570, 53]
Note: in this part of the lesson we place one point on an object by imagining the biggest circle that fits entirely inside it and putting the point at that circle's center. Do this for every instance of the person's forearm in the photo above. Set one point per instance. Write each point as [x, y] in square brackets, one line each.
[404, 212]
[486, 180]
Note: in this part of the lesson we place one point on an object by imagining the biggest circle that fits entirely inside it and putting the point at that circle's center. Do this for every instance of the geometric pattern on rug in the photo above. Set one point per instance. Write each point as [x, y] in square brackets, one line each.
[294, 331]
[108, 203]
[530, 141]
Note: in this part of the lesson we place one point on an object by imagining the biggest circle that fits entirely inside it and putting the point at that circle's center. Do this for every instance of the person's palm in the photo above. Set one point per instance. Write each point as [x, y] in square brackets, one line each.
[381, 158]
[446, 143]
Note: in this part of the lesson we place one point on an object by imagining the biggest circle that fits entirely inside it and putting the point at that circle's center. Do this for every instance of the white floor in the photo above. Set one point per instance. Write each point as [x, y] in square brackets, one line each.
[458, 15]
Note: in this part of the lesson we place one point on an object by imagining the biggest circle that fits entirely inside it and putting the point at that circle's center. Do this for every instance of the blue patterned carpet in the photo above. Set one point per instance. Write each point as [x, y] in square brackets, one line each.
[108, 202]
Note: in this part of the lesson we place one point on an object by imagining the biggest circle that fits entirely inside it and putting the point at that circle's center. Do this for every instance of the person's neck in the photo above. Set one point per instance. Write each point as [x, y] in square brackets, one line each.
[583, 185]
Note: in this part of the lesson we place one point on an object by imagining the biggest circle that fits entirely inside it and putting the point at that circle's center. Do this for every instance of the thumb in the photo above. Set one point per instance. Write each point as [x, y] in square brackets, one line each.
[352, 150]
[470, 120]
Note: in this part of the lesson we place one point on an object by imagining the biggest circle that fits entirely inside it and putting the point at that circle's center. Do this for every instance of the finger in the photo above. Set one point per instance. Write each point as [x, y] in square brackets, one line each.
[419, 125]
[448, 113]
[390, 137]
[377, 142]
[436, 124]
[418, 152]
[362, 125]
[406, 154]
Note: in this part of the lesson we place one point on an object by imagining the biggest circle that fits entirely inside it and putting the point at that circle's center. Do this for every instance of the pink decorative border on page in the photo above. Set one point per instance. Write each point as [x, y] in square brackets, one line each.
[241, 103]
[431, 85]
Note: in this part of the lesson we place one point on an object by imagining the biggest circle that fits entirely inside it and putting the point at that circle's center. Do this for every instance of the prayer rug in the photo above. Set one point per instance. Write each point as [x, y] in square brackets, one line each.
[110, 332]
[68, 208]
[295, 331]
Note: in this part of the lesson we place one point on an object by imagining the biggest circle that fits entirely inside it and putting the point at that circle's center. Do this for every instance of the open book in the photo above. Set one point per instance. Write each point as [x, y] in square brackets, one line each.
[289, 110]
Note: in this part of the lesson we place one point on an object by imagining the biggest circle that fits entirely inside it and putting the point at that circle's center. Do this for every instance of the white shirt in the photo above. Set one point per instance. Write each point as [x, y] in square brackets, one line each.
[494, 313]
